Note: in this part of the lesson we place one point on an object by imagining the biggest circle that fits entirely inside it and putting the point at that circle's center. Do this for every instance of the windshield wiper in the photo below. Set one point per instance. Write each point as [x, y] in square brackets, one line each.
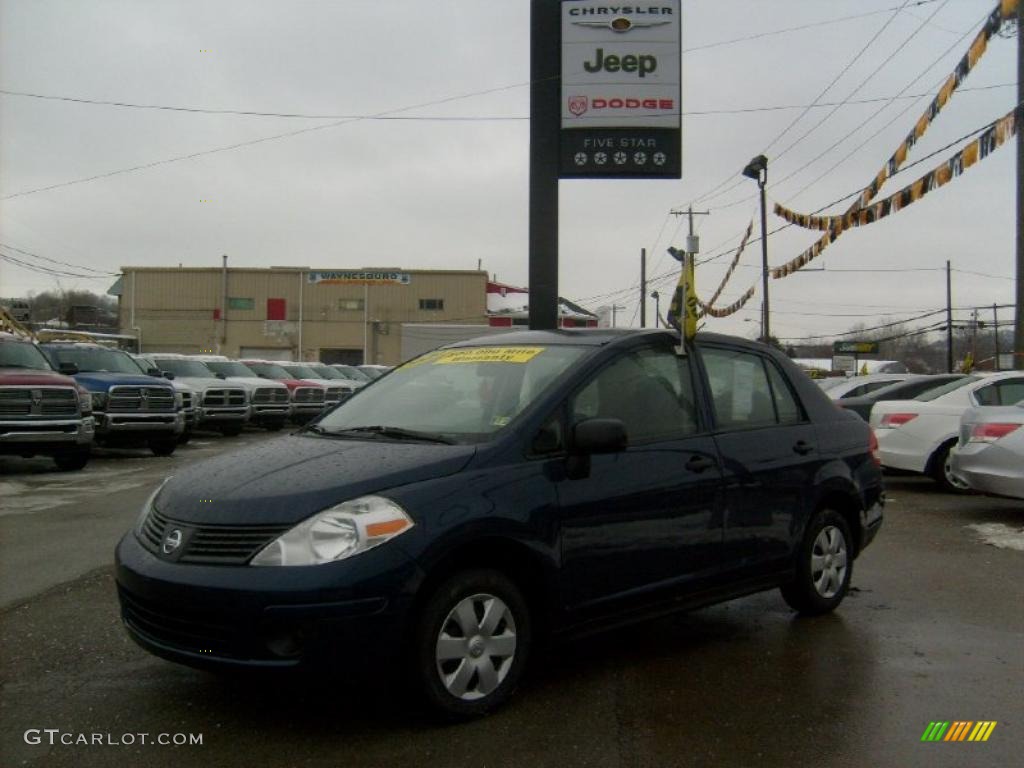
[398, 432]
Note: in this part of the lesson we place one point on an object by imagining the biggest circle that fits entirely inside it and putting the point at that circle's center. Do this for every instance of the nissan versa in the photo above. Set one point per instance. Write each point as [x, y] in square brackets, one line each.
[490, 494]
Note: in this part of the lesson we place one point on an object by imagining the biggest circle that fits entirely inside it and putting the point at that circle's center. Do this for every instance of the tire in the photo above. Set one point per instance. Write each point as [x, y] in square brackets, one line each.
[184, 438]
[452, 637]
[231, 430]
[273, 426]
[163, 447]
[71, 462]
[824, 566]
[942, 470]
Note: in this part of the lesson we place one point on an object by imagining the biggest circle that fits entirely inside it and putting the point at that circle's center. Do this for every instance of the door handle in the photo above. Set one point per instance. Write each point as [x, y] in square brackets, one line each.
[803, 448]
[699, 463]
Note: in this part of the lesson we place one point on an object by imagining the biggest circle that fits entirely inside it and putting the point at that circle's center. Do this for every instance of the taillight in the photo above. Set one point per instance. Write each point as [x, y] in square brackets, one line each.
[893, 420]
[873, 448]
[989, 433]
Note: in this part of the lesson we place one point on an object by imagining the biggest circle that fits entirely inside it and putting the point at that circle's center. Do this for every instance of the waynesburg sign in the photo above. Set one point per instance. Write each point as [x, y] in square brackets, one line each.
[362, 277]
[621, 90]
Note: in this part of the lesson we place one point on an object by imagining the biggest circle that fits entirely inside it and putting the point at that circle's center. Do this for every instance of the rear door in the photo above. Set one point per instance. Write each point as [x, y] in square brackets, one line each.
[769, 457]
[644, 522]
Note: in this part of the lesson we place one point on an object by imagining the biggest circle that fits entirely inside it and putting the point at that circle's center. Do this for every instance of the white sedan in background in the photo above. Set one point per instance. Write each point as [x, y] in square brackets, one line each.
[919, 435]
[990, 455]
[857, 386]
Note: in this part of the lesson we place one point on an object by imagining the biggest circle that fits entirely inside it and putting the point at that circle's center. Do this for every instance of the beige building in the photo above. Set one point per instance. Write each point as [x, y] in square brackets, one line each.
[291, 312]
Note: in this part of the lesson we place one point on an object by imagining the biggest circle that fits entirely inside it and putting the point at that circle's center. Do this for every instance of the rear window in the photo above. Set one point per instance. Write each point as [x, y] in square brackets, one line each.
[945, 389]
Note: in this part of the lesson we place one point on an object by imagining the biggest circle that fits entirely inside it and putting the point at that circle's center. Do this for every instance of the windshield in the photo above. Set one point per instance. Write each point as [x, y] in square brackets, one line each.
[465, 394]
[180, 367]
[269, 370]
[325, 371]
[22, 354]
[933, 394]
[302, 372]
[230, 369]
[352, 373]
[94, 359]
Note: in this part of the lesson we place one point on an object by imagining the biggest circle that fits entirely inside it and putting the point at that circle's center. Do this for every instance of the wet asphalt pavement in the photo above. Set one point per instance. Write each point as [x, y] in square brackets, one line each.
[934, 630]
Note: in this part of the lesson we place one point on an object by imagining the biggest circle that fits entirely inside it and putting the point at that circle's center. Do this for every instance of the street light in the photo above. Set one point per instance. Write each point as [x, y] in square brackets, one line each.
[657, 312]
[757, 169]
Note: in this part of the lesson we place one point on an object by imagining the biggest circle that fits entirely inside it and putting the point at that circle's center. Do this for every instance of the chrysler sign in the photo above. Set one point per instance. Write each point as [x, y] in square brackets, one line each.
[621, 92]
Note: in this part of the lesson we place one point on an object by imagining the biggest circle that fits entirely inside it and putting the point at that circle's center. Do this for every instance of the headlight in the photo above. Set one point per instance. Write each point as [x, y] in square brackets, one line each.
[179, 401]
[148, 507]
[99, 401]
[84, 401]
[342, 531]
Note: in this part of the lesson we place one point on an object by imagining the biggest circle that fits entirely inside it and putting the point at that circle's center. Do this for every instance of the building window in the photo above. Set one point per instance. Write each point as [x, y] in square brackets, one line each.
[432, 304]
[350, 305]
[238, 303]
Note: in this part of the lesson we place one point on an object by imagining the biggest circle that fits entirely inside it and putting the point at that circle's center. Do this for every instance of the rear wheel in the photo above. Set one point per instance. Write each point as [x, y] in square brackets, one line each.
[942, 470]
[163, 447]
[70, 462]
[471, 643]
[824, 566]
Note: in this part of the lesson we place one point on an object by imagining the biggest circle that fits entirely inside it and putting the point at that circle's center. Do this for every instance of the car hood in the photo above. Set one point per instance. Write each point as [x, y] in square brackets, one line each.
[100, 381]
[203, 383]
[14, 377]
[286, 480]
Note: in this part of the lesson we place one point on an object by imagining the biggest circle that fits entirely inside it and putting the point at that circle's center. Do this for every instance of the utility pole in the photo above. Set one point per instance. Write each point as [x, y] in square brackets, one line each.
[995, 330]
[949, 318]
[657, 308]
[1018, 325]
[643, 287]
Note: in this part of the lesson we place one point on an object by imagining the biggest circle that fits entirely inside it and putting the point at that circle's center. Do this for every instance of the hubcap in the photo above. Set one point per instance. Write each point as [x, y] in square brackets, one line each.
[828, 561]
[951, 478]
[476, 646]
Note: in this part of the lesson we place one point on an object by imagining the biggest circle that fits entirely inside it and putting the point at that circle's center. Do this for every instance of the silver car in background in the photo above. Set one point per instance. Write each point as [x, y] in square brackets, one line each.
[990, 454]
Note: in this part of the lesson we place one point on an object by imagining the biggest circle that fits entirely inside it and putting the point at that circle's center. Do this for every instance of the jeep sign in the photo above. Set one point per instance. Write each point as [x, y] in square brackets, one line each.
[621, 90]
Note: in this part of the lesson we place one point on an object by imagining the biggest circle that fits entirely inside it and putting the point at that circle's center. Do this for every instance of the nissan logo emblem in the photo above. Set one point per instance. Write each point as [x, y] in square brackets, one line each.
[172, 541]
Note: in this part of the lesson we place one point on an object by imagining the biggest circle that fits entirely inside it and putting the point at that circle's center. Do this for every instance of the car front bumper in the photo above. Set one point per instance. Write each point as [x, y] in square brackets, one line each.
[221, 415]
[334, 615]
[64, 433]
[139, 425]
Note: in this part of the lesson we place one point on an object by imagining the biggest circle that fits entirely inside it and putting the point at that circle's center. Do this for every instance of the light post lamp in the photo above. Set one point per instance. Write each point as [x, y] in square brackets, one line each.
[657, 312]
[757, 169]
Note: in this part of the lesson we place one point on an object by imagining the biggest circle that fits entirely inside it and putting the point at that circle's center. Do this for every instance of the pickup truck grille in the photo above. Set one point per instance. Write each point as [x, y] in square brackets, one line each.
[270, 396]
[224, 397]
[335, 393]
[38, 401]
[140, 399]
[211, 544]
[186, 400]
[309, 395]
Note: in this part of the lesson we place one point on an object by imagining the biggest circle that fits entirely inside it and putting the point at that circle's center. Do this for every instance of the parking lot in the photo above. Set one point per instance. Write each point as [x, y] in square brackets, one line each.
[932, 631]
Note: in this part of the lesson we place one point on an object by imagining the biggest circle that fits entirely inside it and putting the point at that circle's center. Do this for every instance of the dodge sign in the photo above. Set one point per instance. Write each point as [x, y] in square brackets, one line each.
[621, 94]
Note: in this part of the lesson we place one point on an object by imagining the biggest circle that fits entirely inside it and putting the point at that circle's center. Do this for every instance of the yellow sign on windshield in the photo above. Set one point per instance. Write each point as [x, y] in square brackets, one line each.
[488, 355]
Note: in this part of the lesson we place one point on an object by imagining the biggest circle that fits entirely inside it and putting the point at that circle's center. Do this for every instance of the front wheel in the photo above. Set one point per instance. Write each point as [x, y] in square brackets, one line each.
[471, 643]
[824, 566]
[163, 447]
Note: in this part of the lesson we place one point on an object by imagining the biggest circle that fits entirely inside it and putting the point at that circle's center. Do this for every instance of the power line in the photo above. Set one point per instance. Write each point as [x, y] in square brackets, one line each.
[56, 261]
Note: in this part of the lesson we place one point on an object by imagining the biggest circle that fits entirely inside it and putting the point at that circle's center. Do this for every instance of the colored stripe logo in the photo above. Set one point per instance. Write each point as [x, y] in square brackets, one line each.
[959, 730]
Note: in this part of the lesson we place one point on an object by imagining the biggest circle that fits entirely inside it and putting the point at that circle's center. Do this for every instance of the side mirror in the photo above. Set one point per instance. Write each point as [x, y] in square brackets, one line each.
[599, 436]
[68, 369]
[167, 375]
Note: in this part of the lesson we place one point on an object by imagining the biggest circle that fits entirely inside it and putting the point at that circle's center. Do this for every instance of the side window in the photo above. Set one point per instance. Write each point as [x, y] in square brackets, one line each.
[740, 390]
[786, 406]
[650, 391]
[1011, 391]
[987, 395]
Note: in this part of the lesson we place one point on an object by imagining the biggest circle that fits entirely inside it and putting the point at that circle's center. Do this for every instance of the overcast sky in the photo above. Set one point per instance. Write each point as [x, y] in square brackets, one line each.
[447, 193]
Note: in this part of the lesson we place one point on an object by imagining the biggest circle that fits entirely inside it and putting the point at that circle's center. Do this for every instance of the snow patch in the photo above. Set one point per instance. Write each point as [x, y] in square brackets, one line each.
[999, 535]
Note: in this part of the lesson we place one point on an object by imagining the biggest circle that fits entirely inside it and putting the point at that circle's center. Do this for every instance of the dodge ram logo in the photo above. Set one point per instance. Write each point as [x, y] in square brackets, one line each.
[172, 541]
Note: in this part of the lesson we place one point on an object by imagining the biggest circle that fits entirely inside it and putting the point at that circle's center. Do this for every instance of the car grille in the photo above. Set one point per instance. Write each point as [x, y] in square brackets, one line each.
[224, 397]
[128, 399]
[270, 396]
[35, 401]
[334, 393]
[186, 400]
[309, 395]
[211, 544]
[192, 628]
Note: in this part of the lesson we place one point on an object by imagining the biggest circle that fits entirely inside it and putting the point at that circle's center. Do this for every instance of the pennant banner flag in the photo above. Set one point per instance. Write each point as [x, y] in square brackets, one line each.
[732, 268]
[732, 309]
[989, 141]
[1005, 10]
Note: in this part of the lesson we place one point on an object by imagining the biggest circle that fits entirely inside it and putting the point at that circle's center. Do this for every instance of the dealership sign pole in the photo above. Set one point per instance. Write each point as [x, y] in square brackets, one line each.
[605, 102]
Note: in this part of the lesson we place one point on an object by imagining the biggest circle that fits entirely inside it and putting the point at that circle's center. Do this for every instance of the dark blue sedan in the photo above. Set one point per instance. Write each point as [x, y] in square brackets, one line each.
[498, 491]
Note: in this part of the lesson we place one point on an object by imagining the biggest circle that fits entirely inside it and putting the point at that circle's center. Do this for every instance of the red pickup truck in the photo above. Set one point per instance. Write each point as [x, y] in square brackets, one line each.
[42, 412]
